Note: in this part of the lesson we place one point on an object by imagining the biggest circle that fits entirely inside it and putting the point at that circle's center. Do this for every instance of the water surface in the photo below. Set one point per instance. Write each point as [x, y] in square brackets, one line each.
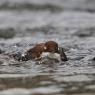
[71, 23]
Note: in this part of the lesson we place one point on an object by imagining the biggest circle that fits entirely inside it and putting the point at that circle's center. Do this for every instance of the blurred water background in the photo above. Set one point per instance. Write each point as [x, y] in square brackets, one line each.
[71, 23]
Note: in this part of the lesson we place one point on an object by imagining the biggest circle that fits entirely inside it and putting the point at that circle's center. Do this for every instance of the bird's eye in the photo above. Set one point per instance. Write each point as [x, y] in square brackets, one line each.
[45, 48]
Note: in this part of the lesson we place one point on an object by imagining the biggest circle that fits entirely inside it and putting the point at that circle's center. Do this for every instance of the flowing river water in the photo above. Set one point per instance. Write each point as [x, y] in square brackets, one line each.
[71, 23]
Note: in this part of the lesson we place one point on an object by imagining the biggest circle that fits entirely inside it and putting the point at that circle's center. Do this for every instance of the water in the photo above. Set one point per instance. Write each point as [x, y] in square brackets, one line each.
[71, 23]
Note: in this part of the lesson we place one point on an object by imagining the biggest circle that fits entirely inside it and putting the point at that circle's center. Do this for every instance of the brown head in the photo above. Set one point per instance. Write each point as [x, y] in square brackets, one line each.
[51, 46]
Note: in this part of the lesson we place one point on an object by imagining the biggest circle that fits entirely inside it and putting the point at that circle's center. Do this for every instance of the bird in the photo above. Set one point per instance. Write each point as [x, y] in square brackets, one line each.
[49, 49]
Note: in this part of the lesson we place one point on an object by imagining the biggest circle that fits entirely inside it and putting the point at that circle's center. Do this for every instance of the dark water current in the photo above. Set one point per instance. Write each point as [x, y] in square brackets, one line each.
[71, 23]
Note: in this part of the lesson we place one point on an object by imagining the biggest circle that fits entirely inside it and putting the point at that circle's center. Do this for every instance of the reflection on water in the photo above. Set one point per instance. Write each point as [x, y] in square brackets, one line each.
[71, 23]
